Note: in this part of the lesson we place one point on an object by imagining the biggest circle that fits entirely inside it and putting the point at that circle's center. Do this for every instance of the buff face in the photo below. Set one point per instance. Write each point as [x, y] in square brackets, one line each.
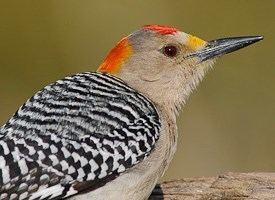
[149, 47]
[169, 62]
[156, 56]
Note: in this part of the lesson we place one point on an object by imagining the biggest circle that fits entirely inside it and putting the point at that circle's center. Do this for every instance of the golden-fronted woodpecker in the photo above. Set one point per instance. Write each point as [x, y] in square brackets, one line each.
[109, 134]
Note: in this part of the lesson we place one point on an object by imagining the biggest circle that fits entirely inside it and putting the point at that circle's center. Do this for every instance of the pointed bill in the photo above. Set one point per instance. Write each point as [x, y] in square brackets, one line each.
[219, 47]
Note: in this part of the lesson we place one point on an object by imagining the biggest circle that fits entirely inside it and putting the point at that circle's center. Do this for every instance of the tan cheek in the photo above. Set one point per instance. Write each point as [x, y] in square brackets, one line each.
[155, 72]
[192, 62]
[141, 67]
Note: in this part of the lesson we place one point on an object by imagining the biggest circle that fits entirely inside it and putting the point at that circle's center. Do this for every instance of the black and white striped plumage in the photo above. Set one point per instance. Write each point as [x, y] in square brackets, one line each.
[75, 135]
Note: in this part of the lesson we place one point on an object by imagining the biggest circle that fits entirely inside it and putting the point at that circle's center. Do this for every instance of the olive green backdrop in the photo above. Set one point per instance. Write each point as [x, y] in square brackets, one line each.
[228, 124]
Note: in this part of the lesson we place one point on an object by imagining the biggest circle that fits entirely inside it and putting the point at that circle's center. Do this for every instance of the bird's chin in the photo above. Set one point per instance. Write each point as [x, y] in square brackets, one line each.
[208, 64]
[199, 73]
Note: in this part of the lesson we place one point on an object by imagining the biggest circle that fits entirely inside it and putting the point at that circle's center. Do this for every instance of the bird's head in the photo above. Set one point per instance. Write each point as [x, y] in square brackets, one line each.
[166, 64]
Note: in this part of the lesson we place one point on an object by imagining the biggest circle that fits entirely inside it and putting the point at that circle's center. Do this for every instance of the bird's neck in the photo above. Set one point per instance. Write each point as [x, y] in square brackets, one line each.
[170, 100]
[169, 92]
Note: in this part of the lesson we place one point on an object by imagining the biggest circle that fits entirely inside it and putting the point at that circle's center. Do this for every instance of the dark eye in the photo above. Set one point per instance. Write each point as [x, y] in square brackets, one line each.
[170, 50]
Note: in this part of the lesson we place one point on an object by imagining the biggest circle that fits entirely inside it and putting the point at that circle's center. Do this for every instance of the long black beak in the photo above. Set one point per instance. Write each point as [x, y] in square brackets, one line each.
[223, 46]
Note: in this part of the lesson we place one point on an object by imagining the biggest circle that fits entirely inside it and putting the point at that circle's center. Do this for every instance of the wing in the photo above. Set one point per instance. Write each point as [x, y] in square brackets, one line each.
[75, 135]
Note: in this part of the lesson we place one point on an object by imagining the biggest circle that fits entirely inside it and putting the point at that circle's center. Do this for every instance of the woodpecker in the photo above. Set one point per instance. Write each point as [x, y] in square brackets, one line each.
[109, 134]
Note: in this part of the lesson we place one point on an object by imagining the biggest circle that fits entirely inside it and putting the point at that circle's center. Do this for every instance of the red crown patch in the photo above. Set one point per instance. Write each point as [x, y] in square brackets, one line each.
[164, 30]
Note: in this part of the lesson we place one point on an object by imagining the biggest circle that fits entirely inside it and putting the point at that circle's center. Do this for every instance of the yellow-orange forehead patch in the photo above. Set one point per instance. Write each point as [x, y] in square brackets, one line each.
[195, 43]
[116, 57]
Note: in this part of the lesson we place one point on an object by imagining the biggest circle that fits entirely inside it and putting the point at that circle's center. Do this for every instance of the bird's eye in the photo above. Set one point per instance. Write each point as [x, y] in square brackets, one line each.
[170, 51]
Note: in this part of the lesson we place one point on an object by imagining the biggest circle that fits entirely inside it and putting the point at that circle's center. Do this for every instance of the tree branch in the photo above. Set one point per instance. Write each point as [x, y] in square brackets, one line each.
[235, 186]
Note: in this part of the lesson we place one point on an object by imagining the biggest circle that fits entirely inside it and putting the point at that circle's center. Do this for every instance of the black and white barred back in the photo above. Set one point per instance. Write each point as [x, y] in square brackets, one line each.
[75, 135]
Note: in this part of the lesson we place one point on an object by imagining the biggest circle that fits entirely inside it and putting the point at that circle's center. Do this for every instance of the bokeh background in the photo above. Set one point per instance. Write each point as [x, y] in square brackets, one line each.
[228, 124]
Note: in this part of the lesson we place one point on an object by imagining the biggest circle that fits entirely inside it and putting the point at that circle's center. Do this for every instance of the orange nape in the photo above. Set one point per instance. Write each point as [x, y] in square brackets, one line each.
[116, 57]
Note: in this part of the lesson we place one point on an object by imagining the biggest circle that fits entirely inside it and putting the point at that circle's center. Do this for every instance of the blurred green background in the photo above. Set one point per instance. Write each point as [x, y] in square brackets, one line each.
[228, 124]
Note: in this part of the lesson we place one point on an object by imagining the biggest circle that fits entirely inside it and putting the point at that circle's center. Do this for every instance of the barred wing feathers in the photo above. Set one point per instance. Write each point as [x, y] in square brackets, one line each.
[75, 134]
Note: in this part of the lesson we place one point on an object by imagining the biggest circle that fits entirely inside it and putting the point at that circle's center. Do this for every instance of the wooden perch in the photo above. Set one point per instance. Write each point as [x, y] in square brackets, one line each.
[229, 186]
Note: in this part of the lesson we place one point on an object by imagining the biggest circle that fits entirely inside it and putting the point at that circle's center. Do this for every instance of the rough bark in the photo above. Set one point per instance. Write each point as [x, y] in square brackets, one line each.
[235, 186]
